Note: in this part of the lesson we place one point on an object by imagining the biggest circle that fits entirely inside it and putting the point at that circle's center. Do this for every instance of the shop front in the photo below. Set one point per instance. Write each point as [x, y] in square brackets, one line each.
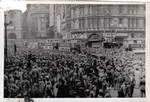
[94, 42]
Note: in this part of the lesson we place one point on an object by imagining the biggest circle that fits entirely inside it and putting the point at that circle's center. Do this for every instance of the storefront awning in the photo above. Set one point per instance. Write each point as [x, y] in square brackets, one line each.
[121, 35]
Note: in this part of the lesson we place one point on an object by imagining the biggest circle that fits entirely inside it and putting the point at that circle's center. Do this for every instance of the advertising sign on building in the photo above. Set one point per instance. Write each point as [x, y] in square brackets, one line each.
[95, 45]
[33, 45]
[136, 45]
[95, 37]
[79, 36]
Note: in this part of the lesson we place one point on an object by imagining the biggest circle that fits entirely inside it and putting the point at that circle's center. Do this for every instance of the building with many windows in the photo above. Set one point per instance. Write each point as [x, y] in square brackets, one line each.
[62, 15]
[123, 24]
[93, 24]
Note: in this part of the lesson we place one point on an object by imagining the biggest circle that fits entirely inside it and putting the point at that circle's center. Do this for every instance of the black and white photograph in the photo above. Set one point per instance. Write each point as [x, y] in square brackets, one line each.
[75, 51]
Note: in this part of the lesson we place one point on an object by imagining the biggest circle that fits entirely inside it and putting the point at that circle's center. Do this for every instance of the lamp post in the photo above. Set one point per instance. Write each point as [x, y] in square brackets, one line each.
[107, 16]
[5, 34]
[114, 26]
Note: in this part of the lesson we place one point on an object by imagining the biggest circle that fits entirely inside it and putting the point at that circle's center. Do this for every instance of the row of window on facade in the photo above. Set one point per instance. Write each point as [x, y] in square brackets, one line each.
[40, 22]
[137, 45]
[137, 35]
[135, 41]
[138, 41]
[96, 23]
[107, 9]
[38, 6]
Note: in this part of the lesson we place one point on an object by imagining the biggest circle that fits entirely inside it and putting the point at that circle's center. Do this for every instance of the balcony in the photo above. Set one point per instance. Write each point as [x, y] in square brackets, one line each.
[107, 16]
[109, 29]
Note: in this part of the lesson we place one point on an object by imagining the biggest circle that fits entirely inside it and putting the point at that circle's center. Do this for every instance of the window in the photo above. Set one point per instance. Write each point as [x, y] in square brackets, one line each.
[135, 41]
[77, 12]
[34, 23]
[35, 6]
[79, 23]
[135, 9]
[83, 22]
[95, 23]
[140, 41]
[132, 35]
[90, 11]
[90, 23]
[130, 9]
[144, 23]
[72, 24]
[43, 23]
[106, 22]
[120, 9]
[131, 22]
[12, 14]
[102, 22]
[82, 11]
[94, 10]
[140, 23]
[134, 23]
[76, 24]
[124, 9]
[100, 10]
[98, 23]
[74, 13]
[120, 20]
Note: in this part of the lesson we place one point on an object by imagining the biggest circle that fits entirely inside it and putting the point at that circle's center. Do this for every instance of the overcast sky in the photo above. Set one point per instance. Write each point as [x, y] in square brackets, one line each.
[13, 4]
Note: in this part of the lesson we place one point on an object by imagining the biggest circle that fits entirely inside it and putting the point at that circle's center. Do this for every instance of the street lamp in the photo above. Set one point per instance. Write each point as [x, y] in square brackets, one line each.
[5, 34]
[114, 25]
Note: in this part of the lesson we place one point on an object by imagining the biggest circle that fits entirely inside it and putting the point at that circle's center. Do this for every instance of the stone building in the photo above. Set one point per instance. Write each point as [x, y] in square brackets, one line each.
[98, 24]
[14, 20]
[36, 21]
[124, 24]
[62, 15]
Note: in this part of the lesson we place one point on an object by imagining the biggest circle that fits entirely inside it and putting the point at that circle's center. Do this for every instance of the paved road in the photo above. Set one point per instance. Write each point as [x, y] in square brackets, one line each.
[136, 93]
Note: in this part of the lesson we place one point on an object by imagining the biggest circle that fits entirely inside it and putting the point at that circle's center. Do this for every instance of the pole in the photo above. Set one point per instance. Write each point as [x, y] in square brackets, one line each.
[5, 35]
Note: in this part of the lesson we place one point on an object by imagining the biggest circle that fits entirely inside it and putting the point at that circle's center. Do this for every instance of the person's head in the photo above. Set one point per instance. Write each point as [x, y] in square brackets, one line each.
[87, 92]
[61, 81]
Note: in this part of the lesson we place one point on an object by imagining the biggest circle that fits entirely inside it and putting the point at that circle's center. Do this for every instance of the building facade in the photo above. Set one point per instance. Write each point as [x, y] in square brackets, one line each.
[14, 20]
[62, 14]
[95, 24]
[123, 24]
[36, 21]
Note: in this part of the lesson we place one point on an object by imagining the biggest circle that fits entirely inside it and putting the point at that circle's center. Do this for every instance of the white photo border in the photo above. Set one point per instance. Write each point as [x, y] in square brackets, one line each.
[146, 99]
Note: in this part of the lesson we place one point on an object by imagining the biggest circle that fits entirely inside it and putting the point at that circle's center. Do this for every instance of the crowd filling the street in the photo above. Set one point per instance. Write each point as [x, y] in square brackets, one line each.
[55, 74]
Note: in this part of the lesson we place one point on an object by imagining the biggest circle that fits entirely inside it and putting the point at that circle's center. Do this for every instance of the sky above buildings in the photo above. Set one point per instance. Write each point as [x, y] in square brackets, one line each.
[13, 4]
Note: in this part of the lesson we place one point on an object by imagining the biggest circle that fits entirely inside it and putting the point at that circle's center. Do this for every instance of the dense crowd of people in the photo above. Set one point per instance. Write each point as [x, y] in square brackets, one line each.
[44, 74]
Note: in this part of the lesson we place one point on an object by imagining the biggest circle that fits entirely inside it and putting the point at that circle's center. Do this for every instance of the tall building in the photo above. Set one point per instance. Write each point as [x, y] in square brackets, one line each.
[37, 21]
[25, 33]
[123, 24]
[14, 19]
[62, 13]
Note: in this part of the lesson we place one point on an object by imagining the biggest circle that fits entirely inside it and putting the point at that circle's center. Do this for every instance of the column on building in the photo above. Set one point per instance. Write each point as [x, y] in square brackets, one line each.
[51, 13]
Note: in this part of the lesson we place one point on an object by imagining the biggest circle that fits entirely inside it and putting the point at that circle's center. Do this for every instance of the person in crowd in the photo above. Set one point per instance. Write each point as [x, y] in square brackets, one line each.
[45, 74]
[142, 87]
[122, 90]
